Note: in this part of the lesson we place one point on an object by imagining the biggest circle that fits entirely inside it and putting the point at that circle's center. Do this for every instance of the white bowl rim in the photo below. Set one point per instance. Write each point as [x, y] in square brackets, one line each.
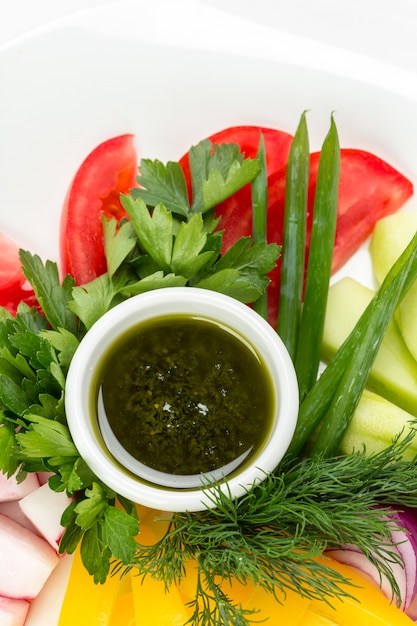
[194, 301]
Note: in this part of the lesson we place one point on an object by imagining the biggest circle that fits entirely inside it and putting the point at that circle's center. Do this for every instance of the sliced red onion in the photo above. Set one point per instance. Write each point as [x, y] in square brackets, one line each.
[403, 530]
[351, 555]
[407, 520]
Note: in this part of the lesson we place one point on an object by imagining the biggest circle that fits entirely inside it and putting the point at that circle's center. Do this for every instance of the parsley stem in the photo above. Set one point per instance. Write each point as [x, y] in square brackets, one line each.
[294, 238]
[369, 329]
[259, 217]
[319, 266]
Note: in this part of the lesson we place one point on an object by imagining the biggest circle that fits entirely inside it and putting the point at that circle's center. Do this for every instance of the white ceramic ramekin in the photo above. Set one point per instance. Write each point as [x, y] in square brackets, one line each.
[83, 417]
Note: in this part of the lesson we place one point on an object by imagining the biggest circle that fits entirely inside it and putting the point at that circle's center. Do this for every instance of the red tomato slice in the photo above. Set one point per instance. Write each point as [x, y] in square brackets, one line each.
[11, 298]
[236, 211]
[11, 275]
[369, 190]
[277, 147]
[13, 285]
[108, 171]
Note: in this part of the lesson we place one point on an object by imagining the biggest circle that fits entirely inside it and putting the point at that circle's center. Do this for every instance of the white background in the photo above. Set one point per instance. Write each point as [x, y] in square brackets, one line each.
[382, 29]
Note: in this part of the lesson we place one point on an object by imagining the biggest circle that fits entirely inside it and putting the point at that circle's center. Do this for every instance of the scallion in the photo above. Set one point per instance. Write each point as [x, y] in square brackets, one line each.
[294, 238]
[259, 217]
[307, 359]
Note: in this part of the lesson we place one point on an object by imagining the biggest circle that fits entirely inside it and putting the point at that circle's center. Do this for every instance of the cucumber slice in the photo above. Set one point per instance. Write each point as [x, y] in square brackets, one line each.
[394, 373]
[391, 235]
[375, 424]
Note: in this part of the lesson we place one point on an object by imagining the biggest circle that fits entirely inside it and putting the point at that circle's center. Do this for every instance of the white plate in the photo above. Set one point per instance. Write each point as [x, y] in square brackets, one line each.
[172, 73]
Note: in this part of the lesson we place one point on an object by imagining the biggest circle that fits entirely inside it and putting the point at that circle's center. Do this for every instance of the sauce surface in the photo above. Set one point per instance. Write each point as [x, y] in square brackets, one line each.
[184, 395]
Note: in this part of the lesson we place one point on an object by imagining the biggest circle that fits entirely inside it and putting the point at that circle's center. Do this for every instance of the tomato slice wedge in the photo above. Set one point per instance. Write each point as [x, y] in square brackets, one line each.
[11, 275]
[236, 211]
[369, 189]
[277, 145]
[14, 287]
[109, 170]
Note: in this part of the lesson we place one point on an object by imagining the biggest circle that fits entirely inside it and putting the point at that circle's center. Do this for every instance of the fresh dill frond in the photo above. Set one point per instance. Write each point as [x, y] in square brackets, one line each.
[273, 535]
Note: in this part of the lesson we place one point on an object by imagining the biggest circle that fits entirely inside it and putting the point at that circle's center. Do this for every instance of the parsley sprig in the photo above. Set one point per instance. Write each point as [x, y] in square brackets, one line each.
[165, 242]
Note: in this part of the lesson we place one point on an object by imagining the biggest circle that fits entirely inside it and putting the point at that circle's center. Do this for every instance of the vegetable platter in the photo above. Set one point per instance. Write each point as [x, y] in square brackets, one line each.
[132, 72]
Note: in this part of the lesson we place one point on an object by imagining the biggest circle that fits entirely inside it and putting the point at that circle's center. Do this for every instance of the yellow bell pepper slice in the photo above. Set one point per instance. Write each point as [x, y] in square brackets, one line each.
[154, 607]
[310, 618]
[133, 601]
[288, 608]
[123, 613]
[368, 607]
[153, 524]
[84, 598]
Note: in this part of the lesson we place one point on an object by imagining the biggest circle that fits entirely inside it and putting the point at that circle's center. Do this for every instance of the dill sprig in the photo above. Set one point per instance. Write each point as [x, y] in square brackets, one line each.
[273, 535]
[211, 605]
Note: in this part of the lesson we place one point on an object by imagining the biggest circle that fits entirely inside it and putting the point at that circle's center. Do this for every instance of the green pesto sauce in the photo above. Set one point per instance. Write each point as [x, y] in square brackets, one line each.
[184, 395]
